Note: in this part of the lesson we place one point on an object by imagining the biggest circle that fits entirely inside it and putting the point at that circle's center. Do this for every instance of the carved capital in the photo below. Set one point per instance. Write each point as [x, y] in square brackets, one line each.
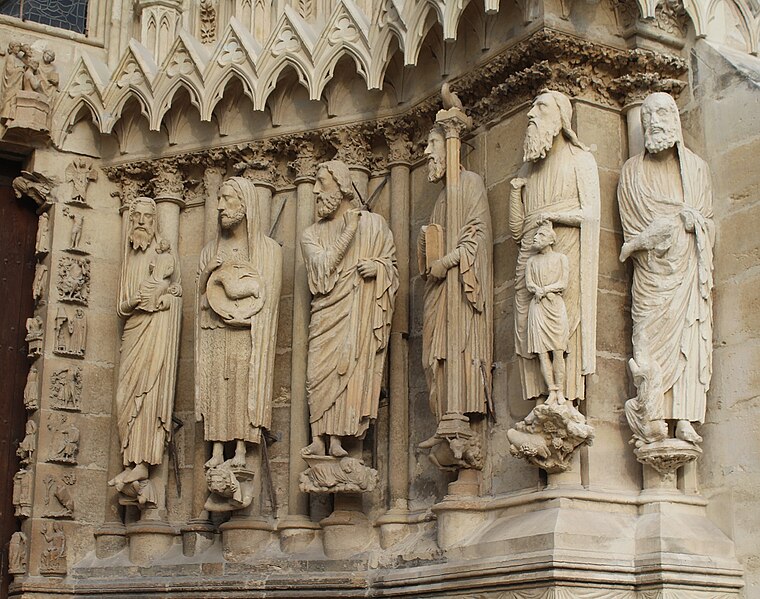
[168, 183]
[400, 145]
[305, 162]
[632, 89]
[352, 145]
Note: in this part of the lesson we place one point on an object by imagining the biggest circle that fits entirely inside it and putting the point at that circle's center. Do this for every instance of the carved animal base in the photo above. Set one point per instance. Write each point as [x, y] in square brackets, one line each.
[549, 435]
[141, 493]
[667, 456]
[327, 474]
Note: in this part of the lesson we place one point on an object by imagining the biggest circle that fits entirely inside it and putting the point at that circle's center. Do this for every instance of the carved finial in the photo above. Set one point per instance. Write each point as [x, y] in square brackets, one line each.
[450, 99]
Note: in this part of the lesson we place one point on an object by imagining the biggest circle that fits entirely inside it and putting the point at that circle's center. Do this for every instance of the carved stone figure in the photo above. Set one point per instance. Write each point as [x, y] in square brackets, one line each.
[53, 556]
[346, 475]
[74, 279]
[75, 237]
[28, 444]
[149, 348]
[665, 200]
[558, 183]
[39, 284]
[59, 502]
[455, 260]
[42, 245]
[64, 440]
[13, 79]
[17, 554]
[351, 268]
[238, 294]
[70, 333]
[49, 77]
[79, 174]
[554, 217]
[32, 390]
[22, 493]
[35, 332]
[66, 389]
[546, 274]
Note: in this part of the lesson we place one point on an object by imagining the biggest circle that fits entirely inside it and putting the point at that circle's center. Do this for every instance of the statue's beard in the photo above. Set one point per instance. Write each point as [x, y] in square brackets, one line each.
[328, 203]
[659, 139]
[231, 219]
[538, 141]
[140, 238]
[436, 168]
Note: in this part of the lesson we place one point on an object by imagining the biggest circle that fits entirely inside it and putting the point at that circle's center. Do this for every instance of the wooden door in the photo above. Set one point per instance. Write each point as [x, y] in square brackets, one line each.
[18, 229]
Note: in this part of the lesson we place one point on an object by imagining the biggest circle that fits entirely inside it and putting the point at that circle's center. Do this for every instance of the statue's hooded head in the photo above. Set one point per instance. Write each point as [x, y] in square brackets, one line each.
[332, 186]
[436, 154]
[142, 219]
[550, 115]
[239, 202]
[661, 122]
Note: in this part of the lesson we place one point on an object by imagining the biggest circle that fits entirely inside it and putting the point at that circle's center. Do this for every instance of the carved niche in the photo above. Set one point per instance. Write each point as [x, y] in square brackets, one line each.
[53, 556]
[59, 502]
[70, 332]
[64, 439]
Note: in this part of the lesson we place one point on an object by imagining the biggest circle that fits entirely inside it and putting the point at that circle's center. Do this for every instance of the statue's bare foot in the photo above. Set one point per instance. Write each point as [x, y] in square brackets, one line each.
[336, 449]
[685, 431]
[430, 443]
[238, 460]
[119, 478]
[552, 399]
[217, 456]
[139, 472]
[560, 397]
[317, 447]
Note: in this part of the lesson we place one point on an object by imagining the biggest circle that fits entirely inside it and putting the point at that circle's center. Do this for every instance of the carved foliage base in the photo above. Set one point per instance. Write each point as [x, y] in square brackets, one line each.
[549, 435]
[667, 456]
[230, 488]
[327, 474]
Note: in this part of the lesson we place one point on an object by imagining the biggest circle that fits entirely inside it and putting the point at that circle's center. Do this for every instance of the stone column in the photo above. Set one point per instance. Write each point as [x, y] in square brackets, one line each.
[394, 523]
[198, 533]
[297, 530]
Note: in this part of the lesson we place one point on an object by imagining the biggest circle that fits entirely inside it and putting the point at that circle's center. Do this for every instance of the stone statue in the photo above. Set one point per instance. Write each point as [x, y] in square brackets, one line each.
[17, 550]
[42, 244]
[77, 223]
[49, 77]
[13, 80]
[455, 255]
[32, 390]
[239, 295]
[35, 332]
[149, 349]
[39, 283]
[665, 200]
[28, 444]
[79, 174]
[59, 502]
[557, 190]
[22, 493]
[64, 440]
[350, 263]
[546, 275]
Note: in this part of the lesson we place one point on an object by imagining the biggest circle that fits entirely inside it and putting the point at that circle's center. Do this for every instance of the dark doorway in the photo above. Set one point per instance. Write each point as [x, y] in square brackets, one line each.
[18, 229]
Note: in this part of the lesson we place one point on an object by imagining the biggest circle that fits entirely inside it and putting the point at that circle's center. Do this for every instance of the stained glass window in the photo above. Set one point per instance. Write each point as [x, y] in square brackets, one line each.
[64, 14]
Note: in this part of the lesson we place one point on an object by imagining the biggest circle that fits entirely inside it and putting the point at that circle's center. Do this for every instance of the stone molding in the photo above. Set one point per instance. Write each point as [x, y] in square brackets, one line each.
[601, 74]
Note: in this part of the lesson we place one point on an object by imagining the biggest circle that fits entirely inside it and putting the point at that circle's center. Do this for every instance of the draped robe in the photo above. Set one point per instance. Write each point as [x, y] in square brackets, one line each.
[148, 365]
[671, 293]
[350, 324]
[234, 374]
[565, 181]
[475, 251]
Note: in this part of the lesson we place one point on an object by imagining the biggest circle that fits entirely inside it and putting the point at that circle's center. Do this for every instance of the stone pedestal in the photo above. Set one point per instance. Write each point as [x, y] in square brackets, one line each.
[32, 110]
[197, 536]
[110, 538]
[297, 533]
[347, 530]
[149, 540]
[244, 535]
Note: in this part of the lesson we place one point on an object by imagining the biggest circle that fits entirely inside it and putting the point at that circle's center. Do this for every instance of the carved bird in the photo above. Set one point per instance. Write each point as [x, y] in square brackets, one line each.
[450, 99]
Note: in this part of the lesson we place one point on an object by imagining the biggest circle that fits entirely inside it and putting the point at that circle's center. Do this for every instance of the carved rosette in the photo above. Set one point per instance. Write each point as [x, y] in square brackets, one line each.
[327, 474]
[549, 435]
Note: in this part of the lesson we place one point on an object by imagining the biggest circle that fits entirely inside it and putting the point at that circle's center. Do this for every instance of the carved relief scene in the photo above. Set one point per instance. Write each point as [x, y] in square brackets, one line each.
[365, 298]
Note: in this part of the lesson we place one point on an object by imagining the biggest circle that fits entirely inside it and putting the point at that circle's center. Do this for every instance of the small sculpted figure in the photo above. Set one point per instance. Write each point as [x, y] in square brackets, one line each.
[17, 554]
[79, 174]
[557, 183]
[53, 556]
[149, 351]
[39, 283]
[350, 263]
[35, 331]
[161, 271]
[238, 295]
[77, 222]
[49, 77]
[471, 258]
[32, 390]
[546, 275]
[13, 80]
[28, 444]
[42, 245]
[665, 201]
